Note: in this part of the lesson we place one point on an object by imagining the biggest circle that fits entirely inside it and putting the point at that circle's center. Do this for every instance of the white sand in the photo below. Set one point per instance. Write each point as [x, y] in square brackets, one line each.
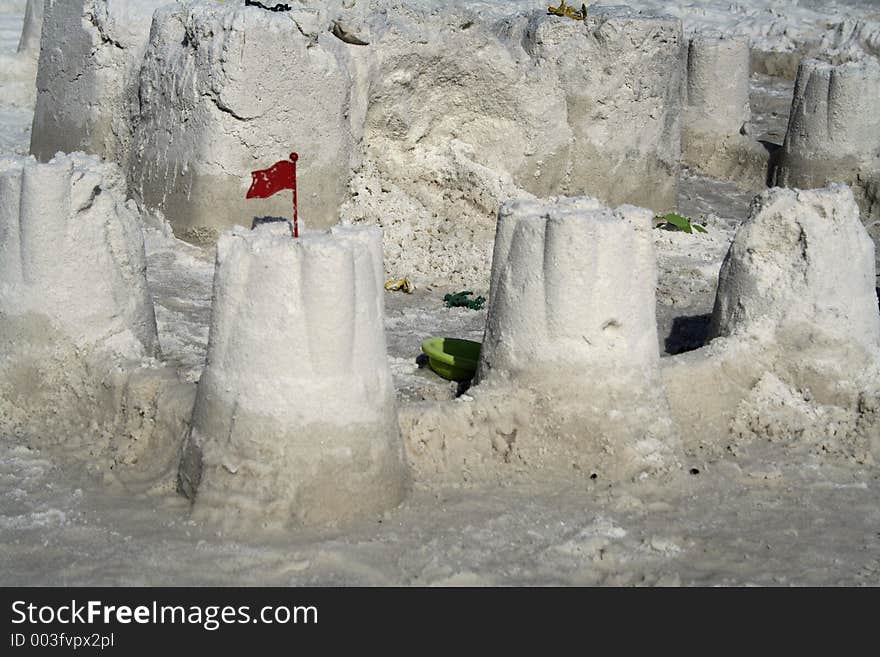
[784, 501]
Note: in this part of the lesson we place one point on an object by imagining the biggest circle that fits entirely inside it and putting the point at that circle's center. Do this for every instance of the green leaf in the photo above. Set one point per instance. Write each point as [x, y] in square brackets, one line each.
[679, 222]
[682, 223]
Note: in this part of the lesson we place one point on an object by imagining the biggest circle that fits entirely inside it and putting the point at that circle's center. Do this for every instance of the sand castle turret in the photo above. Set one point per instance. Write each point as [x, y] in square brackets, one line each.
[834, 131]
[718, 84]
[254, 80]
[72, 253]
[77, 324]
[295, 420]
[572, 291]
[18, 71]
[834, 126]
[87, 79]
[717, 112]
[618, 99]
[572, 315]
[33, 24]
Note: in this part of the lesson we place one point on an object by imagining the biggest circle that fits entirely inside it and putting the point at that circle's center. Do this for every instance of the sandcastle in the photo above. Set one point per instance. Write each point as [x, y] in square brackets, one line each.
[570, 376]
[29, 42]
[834, 133]
[295, 418]
[87, 81]
[222, 86]
[595, 115]
[77, 324]
[715, 122]
[565, 340]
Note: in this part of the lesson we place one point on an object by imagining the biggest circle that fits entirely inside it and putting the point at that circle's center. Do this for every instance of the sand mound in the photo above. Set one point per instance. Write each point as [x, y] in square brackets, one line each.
[795, 299]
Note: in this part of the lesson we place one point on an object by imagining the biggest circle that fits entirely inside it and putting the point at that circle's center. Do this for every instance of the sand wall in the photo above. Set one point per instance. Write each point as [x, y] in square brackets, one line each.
[227, 90]
[464, 111]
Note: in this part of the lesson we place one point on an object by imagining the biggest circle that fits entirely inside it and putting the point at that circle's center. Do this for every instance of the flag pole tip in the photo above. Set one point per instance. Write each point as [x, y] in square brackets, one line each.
[294, 157]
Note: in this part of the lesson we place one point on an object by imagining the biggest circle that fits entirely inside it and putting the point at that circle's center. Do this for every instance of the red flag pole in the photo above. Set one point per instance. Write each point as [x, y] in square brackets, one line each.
[294, 157]
[268, 182]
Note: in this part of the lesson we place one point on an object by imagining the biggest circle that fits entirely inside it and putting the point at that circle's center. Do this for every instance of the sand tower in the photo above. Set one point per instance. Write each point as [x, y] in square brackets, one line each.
[795, 301]
[33, 24]
[572, 315]
[834, 131]
[90, 59]
[718, 84]
[76, 318]
[295, 421]
[797, 290]
[572, 288]
[72, 253]
[717, 112]
[619, 86]
[834, 127]
[254, 80]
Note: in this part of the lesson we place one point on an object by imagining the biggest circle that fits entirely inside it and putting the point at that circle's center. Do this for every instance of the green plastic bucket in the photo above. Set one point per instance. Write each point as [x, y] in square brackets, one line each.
[452, 358]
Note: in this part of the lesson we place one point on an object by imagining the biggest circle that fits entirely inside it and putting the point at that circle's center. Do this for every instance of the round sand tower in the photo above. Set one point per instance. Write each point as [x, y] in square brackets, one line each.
[88, 75]
[254, 80]
[295, 420]
[76, 317]
[713, 139]
[834, 130]
[572, 319]
[30, 31]
[72, 252]
[834, 127]
[718, 84]
[572, 292]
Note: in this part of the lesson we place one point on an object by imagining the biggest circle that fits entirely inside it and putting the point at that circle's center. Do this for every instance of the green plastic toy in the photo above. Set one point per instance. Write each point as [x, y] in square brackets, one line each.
[461, 300]
[452, 358]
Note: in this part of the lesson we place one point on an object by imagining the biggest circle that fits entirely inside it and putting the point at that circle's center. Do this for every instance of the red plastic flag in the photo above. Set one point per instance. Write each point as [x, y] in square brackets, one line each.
[278, 177]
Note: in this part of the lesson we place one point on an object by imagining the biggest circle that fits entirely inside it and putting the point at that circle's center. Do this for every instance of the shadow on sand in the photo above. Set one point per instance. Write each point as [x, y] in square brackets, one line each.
[688, 333]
